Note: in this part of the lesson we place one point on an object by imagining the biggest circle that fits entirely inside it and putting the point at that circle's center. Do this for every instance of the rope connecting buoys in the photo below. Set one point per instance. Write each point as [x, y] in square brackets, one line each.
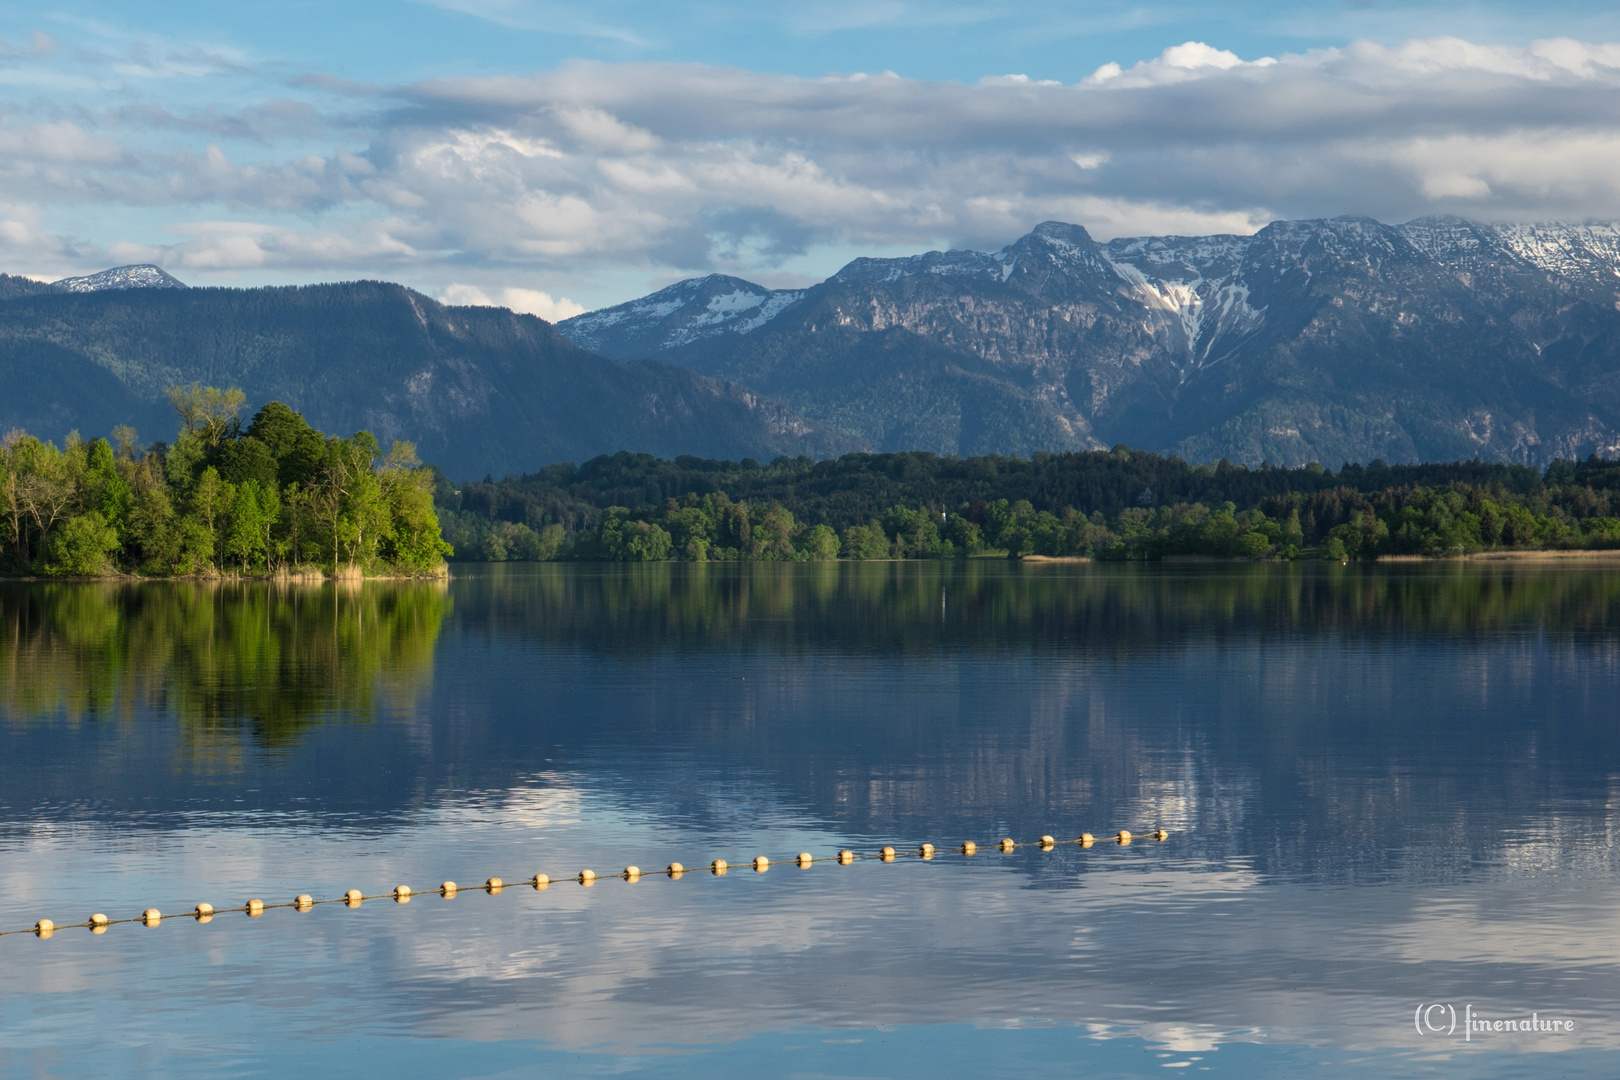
[204, 912]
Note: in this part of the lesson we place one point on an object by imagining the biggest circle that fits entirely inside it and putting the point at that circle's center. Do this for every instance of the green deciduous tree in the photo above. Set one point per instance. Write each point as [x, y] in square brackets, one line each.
[81, 546]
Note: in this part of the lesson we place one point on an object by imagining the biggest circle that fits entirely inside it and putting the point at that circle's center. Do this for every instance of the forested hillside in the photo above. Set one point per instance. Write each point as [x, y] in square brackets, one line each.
[1121, 504]
[476, 389]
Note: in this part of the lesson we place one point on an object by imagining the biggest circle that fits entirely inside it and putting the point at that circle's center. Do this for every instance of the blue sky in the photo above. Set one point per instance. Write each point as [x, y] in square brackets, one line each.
[556, 155]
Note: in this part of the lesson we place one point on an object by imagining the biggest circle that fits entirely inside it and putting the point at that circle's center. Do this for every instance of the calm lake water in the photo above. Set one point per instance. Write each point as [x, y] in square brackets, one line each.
[1385, 788]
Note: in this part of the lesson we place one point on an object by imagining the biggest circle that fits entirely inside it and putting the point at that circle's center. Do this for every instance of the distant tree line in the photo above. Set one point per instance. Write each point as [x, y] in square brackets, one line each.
[275, 495]
[1119, 504]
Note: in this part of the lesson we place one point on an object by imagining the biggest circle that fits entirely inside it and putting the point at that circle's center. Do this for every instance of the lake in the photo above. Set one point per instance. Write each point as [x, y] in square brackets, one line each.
[1387, 789]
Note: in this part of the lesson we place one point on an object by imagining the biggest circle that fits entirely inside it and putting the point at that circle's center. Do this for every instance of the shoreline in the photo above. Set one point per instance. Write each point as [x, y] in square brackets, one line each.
[1528, 555]
[443, 572]
[306, 577]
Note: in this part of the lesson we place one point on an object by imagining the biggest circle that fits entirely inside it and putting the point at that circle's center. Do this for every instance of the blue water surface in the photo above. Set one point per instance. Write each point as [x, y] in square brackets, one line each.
[1384, 787]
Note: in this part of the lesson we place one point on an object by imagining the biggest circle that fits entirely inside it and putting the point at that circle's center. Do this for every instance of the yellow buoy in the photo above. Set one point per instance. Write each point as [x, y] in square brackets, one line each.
[969, 848]
[304, 902]
[1086, 839]
[1161, 835]
[448, 889]
[718, 866]
[494, 885]
[761, 864]
[846, 857]
[151, 916]
[402, 894]
[353, 897]
[926, 851]
[539, 881]
[255, 908]
[631, 873]
[675, 870]
[204, 912]
[887, 854]
[98, 919]
[1007, 844]
[587, 877]
[1047, 841]
[44, 928]
[1124, 836]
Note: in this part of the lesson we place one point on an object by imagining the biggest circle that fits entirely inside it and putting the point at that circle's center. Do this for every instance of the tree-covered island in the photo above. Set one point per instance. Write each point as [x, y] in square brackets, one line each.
[272, 497]
[1121, 504]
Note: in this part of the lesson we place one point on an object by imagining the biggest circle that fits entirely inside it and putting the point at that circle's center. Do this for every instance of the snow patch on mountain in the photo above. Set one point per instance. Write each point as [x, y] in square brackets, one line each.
[943, 263]
[682, 314]
[1168, 275]
[1574, 251]
[144, 276]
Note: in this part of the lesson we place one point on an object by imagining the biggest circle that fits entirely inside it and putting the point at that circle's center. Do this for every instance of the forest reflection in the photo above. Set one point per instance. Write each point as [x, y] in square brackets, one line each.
[994, 606]
[265, 658]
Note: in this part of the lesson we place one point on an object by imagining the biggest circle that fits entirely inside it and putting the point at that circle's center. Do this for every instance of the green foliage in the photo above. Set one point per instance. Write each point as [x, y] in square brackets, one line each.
[81, 546]
[866, 542]
[216, 501]
[818, 543]
[1122, 504]
[206, 411]
[297, 449]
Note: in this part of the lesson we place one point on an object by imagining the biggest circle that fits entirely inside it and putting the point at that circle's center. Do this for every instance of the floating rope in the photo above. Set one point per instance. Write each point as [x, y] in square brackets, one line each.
[202, 913]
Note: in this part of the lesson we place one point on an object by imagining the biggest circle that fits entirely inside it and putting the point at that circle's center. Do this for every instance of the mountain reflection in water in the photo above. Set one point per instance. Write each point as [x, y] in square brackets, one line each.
[1375, 777]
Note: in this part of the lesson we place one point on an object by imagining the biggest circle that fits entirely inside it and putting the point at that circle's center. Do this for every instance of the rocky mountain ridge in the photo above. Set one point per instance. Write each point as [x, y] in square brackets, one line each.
[1342, 339]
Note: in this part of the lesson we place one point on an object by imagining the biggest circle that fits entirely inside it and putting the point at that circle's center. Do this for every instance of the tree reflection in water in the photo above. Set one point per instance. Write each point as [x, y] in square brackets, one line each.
[268, 659]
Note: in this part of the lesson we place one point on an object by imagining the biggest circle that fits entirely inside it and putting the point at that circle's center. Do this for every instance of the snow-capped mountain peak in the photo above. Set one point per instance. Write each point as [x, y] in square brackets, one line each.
[682, 314]
[143, 276]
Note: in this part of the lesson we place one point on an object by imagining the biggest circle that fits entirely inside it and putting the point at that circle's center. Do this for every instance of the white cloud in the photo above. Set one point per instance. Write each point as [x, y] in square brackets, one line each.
[600, 169]
[527, 301]
[244, 245]
[1179, 63]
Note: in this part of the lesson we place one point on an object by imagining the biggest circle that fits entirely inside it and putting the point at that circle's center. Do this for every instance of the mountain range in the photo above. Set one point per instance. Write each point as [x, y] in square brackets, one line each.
[479, 389]
[1330, 340]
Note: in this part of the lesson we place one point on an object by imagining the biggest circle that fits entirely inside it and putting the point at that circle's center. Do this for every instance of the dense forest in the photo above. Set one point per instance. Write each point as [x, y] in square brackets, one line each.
[1119, 504]
[275, 496]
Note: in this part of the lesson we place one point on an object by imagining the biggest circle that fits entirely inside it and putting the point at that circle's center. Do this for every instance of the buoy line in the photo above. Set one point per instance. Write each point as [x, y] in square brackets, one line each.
[402, 894]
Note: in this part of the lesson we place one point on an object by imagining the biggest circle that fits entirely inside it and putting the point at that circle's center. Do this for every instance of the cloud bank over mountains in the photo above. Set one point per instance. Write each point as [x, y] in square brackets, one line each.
[595, 168]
